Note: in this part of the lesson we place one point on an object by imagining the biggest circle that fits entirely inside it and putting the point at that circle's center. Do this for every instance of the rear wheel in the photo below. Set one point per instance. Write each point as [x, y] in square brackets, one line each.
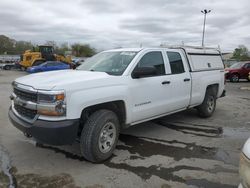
[235, 78]
[206, 109]
[99, 136]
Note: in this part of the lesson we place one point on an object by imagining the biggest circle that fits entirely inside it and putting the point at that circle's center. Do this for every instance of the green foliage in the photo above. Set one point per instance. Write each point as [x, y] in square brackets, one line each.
[62, 49]
[7, 44]
[21, 46]
[241, 53]
[11, 46]
[82, 50]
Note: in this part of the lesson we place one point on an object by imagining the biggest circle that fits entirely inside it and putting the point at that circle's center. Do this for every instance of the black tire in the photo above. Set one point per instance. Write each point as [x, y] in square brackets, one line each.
[206, 109]
[234, 78]
[93, 134]
[7, 67]
[36, 63]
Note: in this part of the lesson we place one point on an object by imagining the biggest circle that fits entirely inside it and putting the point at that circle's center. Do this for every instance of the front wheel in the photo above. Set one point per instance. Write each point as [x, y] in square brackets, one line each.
[99, 136]
[7, 67]
[206, 109]
[235, 78]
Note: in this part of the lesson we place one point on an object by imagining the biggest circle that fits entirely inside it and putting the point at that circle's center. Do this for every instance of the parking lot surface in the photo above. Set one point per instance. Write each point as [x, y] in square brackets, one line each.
[180, 150]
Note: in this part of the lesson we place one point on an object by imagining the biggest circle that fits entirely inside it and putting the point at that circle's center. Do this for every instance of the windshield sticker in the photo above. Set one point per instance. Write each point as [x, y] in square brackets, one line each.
[128, 53]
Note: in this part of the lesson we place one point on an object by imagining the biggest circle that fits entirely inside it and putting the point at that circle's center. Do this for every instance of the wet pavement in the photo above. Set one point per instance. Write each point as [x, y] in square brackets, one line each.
[180, 150]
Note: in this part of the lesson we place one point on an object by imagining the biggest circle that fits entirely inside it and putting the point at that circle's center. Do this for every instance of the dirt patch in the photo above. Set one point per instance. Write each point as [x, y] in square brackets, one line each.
[4, 180]
[95, 186]
[35, 180]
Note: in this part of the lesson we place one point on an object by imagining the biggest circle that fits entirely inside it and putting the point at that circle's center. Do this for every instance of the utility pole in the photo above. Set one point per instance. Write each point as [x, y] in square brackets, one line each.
[205, 12]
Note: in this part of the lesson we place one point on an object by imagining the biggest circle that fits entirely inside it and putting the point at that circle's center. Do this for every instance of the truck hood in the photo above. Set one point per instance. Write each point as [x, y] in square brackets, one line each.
[52, 79]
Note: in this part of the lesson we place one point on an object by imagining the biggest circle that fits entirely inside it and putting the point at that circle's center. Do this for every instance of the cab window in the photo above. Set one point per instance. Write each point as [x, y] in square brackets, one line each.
[176, 63]
[153, 59]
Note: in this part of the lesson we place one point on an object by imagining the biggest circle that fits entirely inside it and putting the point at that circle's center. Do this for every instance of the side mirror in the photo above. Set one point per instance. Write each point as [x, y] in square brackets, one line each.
[140, 72]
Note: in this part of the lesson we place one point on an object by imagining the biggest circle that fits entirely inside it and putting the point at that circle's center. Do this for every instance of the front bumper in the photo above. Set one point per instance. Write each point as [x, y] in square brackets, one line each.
[227, 76]
[48, 132]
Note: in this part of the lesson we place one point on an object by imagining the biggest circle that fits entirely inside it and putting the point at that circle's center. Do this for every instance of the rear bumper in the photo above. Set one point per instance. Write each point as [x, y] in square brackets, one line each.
[48, 132]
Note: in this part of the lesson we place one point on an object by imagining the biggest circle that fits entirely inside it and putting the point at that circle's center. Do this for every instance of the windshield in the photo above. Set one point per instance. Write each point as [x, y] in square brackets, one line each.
[237, 65]
[113, 63]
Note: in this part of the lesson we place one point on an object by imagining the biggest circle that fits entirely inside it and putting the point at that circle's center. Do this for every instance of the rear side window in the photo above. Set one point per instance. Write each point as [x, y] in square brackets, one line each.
[153, 59]
[176, 63]
[247, 66]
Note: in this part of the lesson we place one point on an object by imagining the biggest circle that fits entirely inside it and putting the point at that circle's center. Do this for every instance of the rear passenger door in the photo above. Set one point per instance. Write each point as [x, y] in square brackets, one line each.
[179, 76]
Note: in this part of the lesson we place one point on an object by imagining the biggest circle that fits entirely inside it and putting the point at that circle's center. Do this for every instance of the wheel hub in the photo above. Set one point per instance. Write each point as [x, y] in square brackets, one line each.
[107, 137]
[210, 104]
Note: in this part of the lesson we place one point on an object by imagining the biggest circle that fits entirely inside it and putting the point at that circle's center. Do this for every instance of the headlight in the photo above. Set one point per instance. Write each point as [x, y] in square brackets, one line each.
[50, 98]
[244, 171]
[51, 103]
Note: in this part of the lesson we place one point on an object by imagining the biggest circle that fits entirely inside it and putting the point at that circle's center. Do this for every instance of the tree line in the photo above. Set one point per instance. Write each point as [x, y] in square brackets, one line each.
[241, 53]
[13, 47]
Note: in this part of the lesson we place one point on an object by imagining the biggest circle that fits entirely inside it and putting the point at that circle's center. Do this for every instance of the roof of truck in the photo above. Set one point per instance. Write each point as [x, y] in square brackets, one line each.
[188, 50]
[202, 51]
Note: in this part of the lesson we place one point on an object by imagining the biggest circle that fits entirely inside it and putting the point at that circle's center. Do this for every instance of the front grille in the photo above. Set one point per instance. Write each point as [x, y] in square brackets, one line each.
[24, 95]
[27, 113]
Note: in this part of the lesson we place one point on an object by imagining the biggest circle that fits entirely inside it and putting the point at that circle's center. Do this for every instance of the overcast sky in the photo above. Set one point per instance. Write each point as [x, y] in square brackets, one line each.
[107, 24]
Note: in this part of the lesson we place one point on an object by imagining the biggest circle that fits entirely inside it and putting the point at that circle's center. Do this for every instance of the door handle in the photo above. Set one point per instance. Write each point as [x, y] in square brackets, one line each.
[186, 80]
[165, 82]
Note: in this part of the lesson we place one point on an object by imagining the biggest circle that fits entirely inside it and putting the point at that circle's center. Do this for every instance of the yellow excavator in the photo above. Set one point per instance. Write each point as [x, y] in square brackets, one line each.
[45, 53]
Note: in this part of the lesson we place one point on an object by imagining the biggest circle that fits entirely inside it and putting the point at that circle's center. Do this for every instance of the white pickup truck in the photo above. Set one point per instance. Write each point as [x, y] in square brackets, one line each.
[114, 90]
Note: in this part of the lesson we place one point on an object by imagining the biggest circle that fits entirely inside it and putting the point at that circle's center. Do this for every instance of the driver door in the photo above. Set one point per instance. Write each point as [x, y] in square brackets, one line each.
[150, 95]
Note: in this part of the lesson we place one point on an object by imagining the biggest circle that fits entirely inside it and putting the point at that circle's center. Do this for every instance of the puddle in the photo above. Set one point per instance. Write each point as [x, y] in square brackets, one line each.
[147, 147]
[142, 147]
[6, 167]
[193, 129]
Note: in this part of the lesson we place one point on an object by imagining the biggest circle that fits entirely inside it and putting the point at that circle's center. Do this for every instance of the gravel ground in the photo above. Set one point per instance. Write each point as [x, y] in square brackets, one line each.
[180, 150]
